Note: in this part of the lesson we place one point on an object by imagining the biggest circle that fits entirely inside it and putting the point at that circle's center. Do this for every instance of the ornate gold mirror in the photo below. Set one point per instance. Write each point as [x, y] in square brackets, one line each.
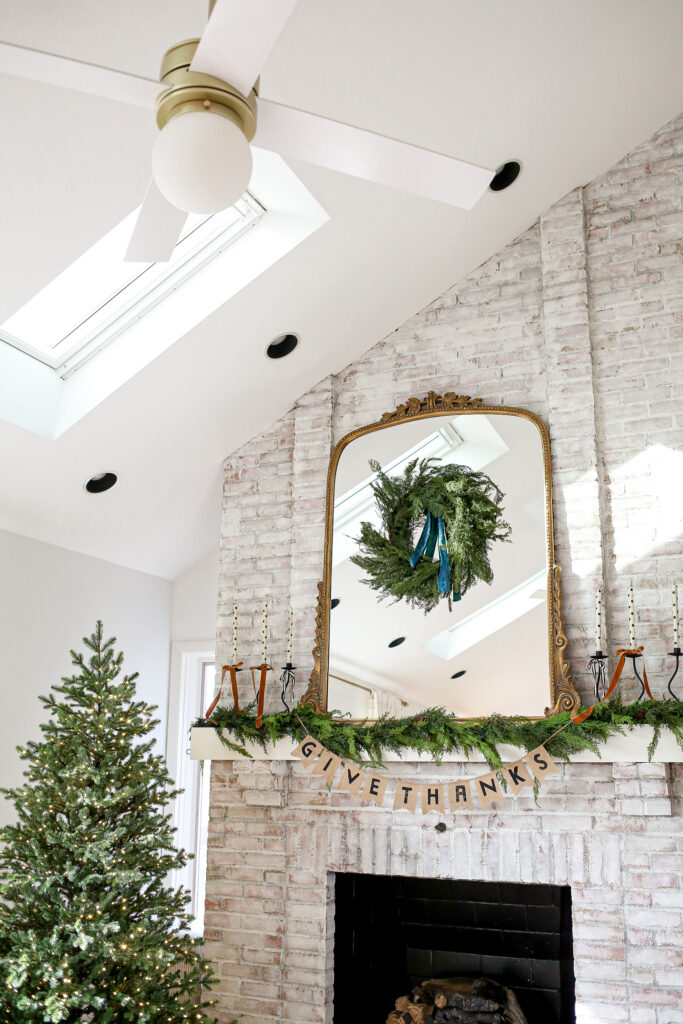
[440, 586]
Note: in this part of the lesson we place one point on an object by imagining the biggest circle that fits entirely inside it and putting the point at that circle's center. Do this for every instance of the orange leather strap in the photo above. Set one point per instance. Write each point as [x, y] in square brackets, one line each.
[623, 652]
[261, 690]
[232, 669]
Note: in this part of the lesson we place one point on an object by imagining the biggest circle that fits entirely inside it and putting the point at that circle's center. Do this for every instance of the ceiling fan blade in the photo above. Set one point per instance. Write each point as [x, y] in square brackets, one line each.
[238, 38]
[156, 230]
[362, 154]
[75, 74]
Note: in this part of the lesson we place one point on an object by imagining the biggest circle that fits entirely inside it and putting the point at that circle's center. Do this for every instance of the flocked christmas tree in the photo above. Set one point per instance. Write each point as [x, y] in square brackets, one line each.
[89, 930]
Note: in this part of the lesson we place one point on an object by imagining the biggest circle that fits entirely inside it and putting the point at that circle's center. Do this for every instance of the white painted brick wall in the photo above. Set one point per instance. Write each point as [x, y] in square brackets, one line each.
[276, 834]
[580, 319]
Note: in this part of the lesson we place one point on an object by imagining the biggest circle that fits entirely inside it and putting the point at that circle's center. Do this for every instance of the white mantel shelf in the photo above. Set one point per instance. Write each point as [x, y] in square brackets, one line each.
[205, 745]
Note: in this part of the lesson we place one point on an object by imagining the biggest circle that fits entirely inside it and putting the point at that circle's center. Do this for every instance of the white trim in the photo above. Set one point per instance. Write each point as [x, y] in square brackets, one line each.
[630, 747]
[185, 700]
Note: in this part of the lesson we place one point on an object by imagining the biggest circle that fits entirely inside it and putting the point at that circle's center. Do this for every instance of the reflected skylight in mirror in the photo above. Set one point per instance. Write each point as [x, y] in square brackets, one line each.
[98, 295]
[487, 653]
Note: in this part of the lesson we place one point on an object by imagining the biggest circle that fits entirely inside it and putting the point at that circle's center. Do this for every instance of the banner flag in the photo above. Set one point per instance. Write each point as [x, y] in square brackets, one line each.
[351, 780]
[432, 798]
[327, 766]
[488, 788]
[460, 795]
[517, 776]
[541, 763]
[406, 796]
[368, 785]
[308, 750]
[374, 788]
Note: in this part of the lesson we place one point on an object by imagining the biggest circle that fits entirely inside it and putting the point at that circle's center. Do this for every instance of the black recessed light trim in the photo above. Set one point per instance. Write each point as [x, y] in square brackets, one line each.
[456, 675]
[282, 346]
[505, 176]
[334, 602]
[100, 482]
[397, 642]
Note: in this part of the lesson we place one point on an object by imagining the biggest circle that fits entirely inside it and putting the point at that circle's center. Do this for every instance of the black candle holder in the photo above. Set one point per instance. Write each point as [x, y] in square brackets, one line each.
[597, 665]
[676, 653]
[634, 658]
[287, 679]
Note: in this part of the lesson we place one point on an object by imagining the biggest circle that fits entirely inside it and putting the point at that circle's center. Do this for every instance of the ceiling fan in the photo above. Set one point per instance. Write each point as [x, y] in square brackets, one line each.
[210, 111]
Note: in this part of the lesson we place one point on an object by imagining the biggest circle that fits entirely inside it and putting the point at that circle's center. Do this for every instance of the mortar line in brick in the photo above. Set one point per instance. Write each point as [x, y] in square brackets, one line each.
[599, 421]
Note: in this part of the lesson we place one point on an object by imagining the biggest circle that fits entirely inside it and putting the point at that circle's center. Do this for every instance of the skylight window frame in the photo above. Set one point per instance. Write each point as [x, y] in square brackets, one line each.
[158, 281]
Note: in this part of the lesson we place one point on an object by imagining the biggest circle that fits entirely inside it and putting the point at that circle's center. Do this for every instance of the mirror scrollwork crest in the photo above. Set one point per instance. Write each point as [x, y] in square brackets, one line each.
[440, 586]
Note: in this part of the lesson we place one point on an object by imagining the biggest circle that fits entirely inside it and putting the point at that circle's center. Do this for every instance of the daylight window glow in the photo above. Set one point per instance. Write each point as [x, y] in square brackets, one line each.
[492, 617]
[98, 294]
[651, 482]
[648, 485]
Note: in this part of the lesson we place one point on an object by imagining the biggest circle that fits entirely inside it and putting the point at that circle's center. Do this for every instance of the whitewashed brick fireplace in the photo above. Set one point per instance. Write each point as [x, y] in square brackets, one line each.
[611, 832]
[581, 321]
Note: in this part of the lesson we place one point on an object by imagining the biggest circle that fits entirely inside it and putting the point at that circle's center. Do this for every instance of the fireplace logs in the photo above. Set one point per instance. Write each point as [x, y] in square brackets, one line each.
[458, 1001]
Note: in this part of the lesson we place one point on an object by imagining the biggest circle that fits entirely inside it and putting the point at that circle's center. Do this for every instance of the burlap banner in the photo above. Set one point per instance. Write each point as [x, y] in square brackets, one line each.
[460, 795]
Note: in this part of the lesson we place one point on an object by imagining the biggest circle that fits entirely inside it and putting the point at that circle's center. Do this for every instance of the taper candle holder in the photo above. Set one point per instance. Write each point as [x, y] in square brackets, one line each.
[676, 653]
[597, 665]
[634, 659]
[287, 679]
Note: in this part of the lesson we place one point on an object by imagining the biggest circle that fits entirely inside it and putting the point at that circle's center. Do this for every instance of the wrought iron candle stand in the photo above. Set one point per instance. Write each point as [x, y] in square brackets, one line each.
[676, 653]
[634, 659]
[287, 679]
[597, 665]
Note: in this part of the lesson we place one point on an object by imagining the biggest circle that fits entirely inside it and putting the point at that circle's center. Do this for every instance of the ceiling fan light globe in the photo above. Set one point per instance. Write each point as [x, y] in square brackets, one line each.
[201, 162]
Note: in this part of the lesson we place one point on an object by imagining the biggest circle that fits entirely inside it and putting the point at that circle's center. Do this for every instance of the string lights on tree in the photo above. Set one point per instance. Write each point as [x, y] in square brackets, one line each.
[89, 929]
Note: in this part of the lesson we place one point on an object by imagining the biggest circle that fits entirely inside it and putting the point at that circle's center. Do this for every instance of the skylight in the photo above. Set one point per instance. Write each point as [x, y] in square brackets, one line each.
[99, 295]
[493, 616]
[101, 321]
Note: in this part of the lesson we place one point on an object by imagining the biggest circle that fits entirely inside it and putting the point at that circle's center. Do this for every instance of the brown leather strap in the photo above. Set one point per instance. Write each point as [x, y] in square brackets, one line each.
[261, 690]
[623, 652]
[232, 669]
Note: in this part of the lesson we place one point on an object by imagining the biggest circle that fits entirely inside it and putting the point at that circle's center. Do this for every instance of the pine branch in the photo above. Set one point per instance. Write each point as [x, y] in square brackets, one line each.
[438, 733]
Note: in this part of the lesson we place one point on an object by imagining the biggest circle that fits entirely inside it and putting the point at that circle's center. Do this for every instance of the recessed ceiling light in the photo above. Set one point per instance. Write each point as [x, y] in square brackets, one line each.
[334, 602]
[282, 346]
[456, 675]
[397, 642]
[506, 174]
[100, 482]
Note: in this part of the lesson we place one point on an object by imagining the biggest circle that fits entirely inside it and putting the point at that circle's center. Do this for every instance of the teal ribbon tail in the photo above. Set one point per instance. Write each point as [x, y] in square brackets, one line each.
[444, 565]
[422, 543]
[456, 595]
[431, 543]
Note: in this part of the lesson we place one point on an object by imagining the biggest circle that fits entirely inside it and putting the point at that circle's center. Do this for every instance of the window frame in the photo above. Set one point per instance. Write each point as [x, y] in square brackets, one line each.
[189, 691]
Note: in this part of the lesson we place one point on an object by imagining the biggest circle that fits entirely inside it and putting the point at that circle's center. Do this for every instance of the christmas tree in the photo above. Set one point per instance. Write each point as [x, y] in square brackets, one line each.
[89, 930]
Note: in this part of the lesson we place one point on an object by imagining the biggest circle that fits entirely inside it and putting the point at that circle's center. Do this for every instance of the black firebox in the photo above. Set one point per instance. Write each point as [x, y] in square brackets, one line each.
[391, 933]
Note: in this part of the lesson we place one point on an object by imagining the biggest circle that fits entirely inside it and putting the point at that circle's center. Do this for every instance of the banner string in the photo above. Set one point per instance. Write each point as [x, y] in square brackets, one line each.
[575, 717]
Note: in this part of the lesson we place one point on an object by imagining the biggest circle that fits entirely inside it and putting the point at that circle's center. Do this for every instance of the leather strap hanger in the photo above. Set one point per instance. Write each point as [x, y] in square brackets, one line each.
[261, 689]
[624, 653]
[232, 669]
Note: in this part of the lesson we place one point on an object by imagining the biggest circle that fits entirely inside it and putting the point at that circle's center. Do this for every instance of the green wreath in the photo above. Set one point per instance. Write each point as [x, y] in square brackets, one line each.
[452, 506]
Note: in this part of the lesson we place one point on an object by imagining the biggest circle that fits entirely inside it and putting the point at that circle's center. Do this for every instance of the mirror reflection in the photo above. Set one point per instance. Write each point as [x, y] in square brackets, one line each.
[439, 569]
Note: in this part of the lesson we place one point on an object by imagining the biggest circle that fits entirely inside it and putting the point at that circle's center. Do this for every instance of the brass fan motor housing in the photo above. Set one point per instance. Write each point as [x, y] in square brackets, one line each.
[188, 90]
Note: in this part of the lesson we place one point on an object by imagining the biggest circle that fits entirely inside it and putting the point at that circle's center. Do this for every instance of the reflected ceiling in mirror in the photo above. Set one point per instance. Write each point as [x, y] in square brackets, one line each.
[494, 650]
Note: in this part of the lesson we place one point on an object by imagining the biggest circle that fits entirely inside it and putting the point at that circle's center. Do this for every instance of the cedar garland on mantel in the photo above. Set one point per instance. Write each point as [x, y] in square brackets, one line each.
[435, 732]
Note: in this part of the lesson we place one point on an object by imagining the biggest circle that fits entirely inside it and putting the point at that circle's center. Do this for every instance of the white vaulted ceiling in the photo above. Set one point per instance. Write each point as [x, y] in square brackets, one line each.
[565, 88]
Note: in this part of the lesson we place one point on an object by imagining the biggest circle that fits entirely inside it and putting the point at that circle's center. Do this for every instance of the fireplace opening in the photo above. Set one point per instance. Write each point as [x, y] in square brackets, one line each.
[392, 933]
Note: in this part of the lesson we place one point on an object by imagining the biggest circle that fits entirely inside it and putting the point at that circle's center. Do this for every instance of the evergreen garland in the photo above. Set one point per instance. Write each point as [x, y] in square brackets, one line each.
[89, 930]
[469, 505]
[434, 731]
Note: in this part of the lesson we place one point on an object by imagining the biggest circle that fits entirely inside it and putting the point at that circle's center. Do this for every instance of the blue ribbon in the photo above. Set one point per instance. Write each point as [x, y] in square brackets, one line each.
[425, 538]
[426, 546]
[444, 564]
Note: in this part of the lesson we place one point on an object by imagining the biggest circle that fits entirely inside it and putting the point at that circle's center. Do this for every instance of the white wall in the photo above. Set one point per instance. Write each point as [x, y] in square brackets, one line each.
[49, 599]
[194, 600]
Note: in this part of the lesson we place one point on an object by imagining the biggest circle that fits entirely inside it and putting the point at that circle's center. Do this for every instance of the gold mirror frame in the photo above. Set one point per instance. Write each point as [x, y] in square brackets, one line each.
[563, 693]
